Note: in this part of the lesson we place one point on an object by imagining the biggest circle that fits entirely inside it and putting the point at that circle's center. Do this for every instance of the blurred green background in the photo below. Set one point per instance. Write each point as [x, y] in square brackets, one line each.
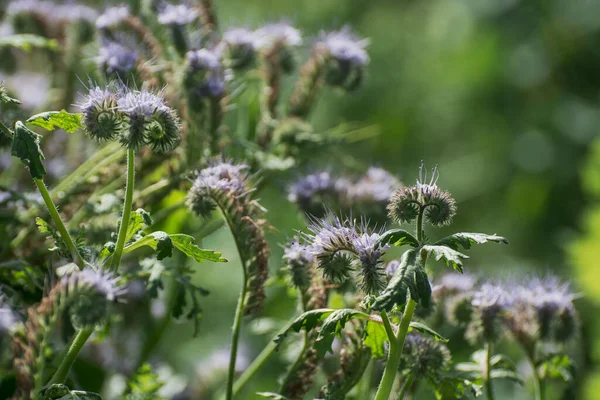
[503, 94]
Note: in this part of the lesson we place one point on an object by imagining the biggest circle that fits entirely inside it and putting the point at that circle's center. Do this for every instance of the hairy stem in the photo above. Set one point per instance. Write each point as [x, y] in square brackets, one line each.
[537, 380]
[116, 260]
[74, 349]
[395, 352]
[364, 386]
[235, 337]
[62, 229]
[488, 372]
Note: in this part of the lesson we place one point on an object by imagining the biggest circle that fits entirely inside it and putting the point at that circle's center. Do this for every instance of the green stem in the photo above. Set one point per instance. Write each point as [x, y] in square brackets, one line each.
[488, 372]
[116, 260]
[364, 386]
[255, 366]
[537, 380]
[235, 337]
[395, 352]
[405, 385]
[62, 229]
[76, 345]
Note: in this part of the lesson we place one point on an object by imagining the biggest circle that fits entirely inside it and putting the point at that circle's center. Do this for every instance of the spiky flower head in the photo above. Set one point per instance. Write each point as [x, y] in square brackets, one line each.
[150, 121]
[93, 292]
[101, 119]
[424, 358]
[223, 179]
[240, 46]
[437, 205]
[553, 303]
[490, 304]
[285, 38]
[177, 14]
[342, 246]
[312, 191]
[204, 75]
[117, 59]
[112, 17]
[370, 195]
[299, 261]
[348, 58]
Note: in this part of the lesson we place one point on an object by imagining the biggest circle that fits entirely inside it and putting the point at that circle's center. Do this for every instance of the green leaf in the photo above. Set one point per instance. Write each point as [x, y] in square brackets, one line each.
[5, 98]
[306, 321]
[427, 330]
[557, 366]
[398, 237]
[332, 327]
[144, 385]
[138, 220]
[54, 236]
[185, 244]
[26, 146]
[158, 241]
[451, 257]
[59, 391]
[506, 374]
[410, 279]
[375, 338]
[27, 41]
[51, 120]
[466, 239]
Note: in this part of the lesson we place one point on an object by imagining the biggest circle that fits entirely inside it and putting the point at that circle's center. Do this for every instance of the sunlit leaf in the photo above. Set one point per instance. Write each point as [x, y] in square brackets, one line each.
[26, 146]
[451, 257]
[27, 41]
[185, 244]
[375, 338]
[51, 120]
[398, 237]
[466, 239]
[427, 330]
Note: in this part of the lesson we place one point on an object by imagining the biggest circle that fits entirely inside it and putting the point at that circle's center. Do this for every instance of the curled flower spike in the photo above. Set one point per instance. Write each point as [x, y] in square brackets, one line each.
[285, 38]
[346, 67]
[424, 358]
[117, 59]
[341, 246]
[177, 14]
[299, 261]
[100, 117]
[490, 304]
[425, 197]
[150, 121]
[204, 76]
[240, 48]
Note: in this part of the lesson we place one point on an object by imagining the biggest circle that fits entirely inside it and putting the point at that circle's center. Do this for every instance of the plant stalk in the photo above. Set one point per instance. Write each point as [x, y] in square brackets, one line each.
[74, 349]
[116, 260]
[537, 380]
[405, 386]
[395, 352]
[235, 337]
[62, 229]
[488, 372]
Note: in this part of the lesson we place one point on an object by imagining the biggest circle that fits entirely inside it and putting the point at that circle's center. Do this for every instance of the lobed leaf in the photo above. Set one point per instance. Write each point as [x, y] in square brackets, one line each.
[139, 218]
[332, 327]
[451, 257]
[51, 120]
[375, 338]
[466, 239]
[410, 279]
[185, 244]
[398, 237]
[427, 330]
[306, 321]
[26, 146]
[159, 241]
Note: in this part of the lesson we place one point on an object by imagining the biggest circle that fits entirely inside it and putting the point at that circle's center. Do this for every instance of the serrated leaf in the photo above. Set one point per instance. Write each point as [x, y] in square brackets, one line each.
[51, 120]
[398, 237]
[427, 330]
[375, 338]
[138, 219]
[332, 326]
[306, 321]
[159, 241]
[26, 146]
[185, 244]
[27, 41]
[466, 239]
[451, 257]
[407, 280]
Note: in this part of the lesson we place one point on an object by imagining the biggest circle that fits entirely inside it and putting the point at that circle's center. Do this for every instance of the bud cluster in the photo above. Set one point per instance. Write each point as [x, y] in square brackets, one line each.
[426, 198]
[424, 358]
[135, 117]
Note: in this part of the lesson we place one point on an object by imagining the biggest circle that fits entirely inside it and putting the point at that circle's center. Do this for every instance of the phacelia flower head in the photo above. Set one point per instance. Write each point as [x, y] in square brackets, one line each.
[490, 304]
[91, 293]
[204, 75]
[437, 205]
[117, 59]
[30, 16]
[312, 191]
[100, 117]
[240, 48]
[177, 14]
[348, 59]
[424, 358]
[281, 38]
[299, 261]
[112, 17]
[370, 195]
[150, 121]
[370, 258]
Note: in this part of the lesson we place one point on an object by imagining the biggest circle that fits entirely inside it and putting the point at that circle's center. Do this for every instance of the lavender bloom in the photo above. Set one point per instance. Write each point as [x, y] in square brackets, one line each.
[299, 260]
[370, 254]
[115, 58]
[204, 74]
[240, 47]
[112, 17]
[313, 191]
[75, 13]
[100, 119]
[553, 304]
[490, 304]
[177, 14]
[348, 59]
